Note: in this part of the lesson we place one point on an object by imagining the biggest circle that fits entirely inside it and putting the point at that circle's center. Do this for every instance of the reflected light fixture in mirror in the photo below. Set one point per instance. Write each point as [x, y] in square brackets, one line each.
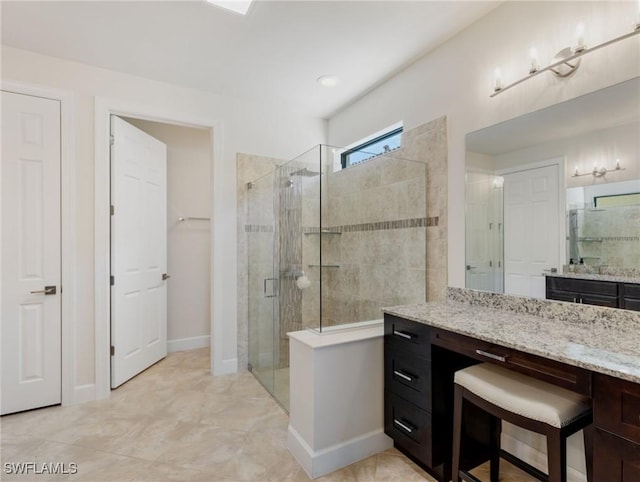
[599, 171]
[566, 60]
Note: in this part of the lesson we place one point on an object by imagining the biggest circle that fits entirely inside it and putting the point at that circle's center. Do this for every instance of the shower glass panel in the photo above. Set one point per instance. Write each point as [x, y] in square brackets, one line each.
[328, 247]
[262, 279]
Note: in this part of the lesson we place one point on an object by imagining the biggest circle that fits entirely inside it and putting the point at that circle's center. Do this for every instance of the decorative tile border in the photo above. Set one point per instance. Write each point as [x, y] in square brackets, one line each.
[258, 228]
[377, 226]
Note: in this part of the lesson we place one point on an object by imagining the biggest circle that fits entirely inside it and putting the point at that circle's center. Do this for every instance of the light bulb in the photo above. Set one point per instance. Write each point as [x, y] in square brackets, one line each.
[575, 172]
[533, 57]
[580, 45]
[497, 80]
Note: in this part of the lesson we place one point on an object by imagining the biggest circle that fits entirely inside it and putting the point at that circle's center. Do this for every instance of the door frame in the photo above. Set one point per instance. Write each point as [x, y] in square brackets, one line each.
[104, 108]
[70, 392]
[562, 197]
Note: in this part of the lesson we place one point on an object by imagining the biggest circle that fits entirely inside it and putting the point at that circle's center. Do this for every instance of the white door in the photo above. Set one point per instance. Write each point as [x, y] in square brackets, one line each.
[478, 244]
[531, 226]
[138, 251]
[30, 254]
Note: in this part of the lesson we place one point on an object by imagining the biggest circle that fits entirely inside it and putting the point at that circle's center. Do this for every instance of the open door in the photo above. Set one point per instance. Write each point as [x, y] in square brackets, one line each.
[138, 251]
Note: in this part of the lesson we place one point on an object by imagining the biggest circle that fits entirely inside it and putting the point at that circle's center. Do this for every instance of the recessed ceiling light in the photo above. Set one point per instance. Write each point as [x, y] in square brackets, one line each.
[237, 6]
[328, 80]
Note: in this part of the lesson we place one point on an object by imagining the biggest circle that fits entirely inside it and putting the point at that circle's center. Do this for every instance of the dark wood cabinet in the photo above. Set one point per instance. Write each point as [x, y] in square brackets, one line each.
[594, 292]
[616, 416]
[419, 365]
[630, 296]
[418, 399]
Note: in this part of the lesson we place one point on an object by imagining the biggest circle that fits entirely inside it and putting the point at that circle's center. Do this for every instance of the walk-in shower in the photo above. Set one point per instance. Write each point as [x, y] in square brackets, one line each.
[327, 247]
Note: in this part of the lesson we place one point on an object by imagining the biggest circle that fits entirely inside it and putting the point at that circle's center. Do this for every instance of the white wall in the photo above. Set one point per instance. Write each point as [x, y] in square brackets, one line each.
[188, 242]
[602, 146]
[456, 79]
[247, 126]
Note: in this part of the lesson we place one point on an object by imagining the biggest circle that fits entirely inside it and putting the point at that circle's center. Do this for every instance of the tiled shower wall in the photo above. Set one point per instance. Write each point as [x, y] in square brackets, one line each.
[428, 143]
[387, 229]
[379, 256]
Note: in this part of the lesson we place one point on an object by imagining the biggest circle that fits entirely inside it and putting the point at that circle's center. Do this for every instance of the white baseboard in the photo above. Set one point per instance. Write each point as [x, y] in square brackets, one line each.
[230, 365]
[323, 462]
[83, 393]
[182, 344]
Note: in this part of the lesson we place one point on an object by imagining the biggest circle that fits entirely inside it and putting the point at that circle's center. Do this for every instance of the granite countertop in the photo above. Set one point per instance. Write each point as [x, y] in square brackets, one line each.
[603, 345]
[596, 277]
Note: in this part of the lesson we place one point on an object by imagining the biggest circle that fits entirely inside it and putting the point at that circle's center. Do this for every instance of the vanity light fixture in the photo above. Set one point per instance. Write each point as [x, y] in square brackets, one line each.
[566, 60]
[598, 171]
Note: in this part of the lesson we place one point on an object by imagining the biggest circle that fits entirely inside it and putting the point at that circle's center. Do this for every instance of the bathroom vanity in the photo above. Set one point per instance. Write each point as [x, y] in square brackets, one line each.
[591, 350]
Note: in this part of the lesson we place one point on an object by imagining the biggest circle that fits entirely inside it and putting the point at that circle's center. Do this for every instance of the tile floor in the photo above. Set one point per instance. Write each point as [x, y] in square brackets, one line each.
[176, 422]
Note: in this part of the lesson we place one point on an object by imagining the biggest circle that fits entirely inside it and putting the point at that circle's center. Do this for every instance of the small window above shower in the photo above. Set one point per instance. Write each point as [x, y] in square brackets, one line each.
[373, 146]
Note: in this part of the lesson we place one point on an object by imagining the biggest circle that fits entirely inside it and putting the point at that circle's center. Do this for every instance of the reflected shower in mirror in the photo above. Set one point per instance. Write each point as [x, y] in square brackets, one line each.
[552, 185]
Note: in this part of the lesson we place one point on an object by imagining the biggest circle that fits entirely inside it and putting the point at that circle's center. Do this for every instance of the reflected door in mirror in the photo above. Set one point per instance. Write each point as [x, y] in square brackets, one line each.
[531, 223]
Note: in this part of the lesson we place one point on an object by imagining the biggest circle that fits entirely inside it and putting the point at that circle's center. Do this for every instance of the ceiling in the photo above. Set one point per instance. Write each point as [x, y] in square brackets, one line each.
[276, 52]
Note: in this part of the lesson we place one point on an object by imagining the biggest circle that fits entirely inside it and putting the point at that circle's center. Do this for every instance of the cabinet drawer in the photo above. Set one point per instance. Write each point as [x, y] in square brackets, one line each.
[616, 406]
[407, 335]
[599, 300]
[569, 296]
[615, 459]
[407, 375]
[607, 288]
[630, 304]
[630, 290]
[565, 376]
[408, 426]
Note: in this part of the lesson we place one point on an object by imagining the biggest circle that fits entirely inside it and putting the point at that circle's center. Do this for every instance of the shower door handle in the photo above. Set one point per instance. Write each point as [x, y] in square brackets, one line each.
[274, 287]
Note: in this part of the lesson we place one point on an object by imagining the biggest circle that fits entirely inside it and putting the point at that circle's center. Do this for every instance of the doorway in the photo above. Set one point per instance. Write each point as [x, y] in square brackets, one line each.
[186, 216]
[70, 392]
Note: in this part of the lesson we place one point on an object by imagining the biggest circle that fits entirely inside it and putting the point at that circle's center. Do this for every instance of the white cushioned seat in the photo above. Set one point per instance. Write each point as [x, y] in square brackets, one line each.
[523, 395]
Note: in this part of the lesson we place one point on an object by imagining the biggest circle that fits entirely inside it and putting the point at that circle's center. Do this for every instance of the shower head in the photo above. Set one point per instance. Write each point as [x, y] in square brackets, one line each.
[305, 173]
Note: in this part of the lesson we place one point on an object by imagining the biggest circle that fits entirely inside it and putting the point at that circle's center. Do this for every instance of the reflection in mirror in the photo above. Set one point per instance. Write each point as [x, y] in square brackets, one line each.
[604, 228]
[537, 193]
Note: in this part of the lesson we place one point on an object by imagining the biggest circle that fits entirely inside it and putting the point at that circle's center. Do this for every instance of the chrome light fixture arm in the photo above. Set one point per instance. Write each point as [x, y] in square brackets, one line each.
[565, 60]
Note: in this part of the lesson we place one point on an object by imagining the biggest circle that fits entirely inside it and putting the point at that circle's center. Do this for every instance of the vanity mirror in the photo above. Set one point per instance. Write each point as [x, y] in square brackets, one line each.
[534, 181]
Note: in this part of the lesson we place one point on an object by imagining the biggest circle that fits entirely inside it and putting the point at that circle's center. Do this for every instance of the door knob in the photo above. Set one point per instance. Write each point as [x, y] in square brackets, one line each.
[469, 267]
[48, 290]
[165, 276]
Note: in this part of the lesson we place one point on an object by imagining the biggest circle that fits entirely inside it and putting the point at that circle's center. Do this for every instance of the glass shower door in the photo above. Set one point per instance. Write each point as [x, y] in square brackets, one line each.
[263, 282]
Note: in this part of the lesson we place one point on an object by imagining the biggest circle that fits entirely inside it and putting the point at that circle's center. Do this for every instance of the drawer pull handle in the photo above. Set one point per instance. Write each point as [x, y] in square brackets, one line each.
[403, 334]
[402, 426]
[493, 356]
[402, 375]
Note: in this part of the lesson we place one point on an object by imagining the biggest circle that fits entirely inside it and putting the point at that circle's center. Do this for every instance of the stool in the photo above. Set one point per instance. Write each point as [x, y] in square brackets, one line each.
[528, 403]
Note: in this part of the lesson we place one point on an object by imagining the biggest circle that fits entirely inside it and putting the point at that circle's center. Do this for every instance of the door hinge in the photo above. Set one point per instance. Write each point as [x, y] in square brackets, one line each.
[112, 280]
[112, 210]
[111, 139]
[113, 350]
